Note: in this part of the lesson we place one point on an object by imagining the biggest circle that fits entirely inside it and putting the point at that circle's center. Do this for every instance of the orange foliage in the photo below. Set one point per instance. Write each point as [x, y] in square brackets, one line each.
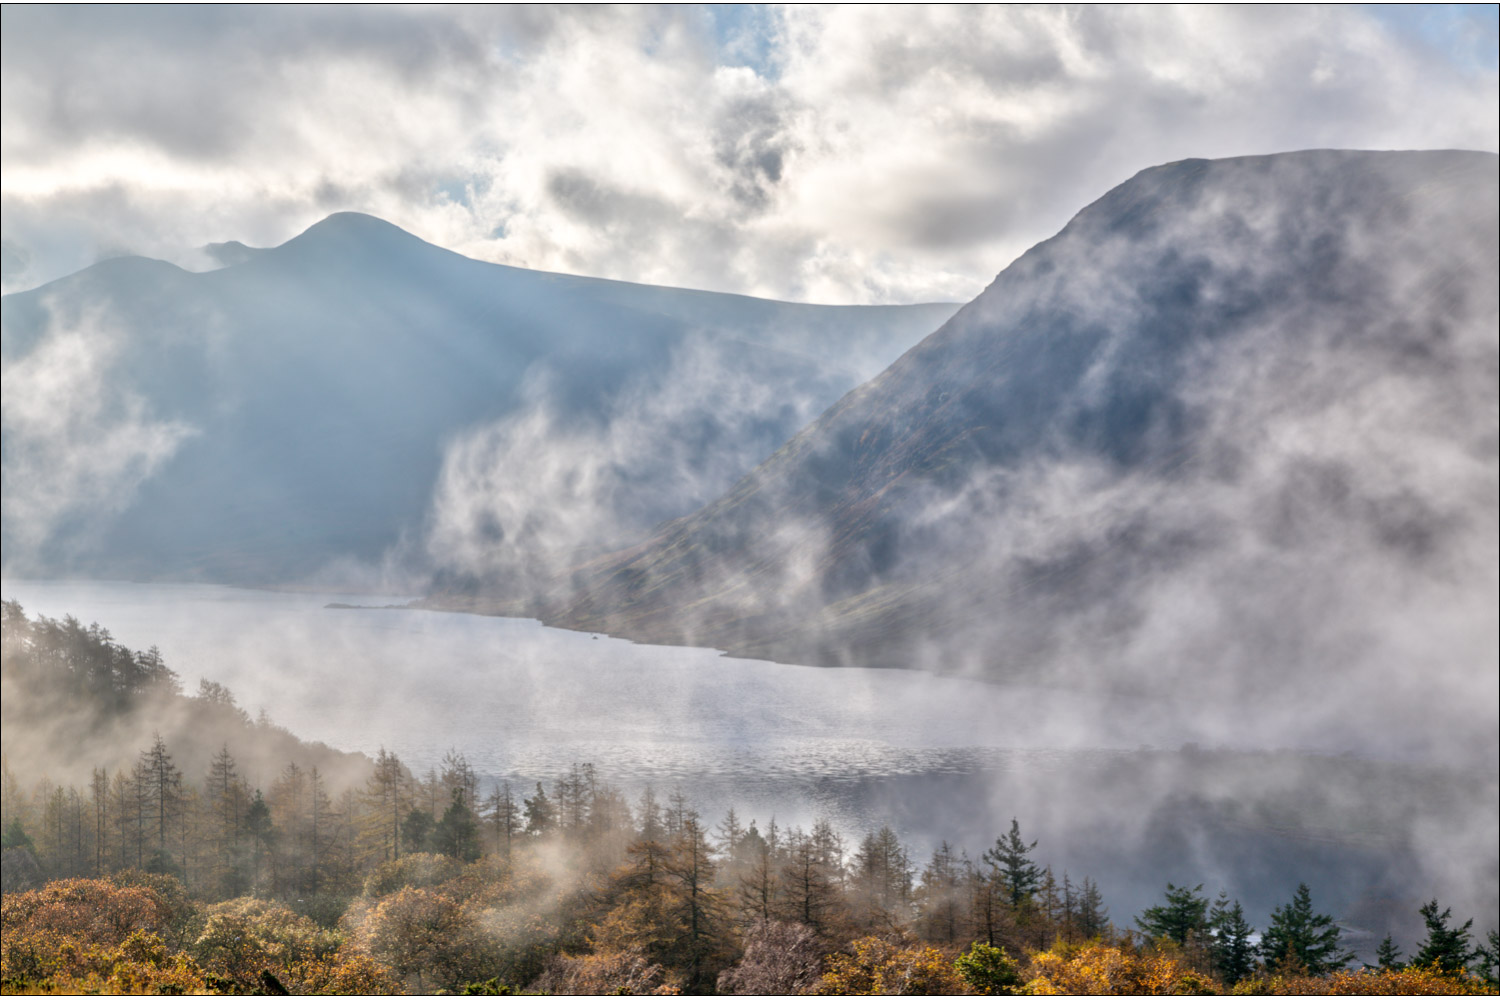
[420, 933]
[1104, 970]
[73, 929]
[139, 964]
[91, 911]
[1370, 982]
[874, 966]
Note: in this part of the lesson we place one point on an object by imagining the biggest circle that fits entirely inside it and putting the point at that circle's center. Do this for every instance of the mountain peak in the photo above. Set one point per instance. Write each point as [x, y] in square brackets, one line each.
[351, 223]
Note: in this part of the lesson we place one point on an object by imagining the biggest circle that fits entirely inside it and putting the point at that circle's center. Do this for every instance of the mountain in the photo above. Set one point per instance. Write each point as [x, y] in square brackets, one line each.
[357, 397]
[1235, 424]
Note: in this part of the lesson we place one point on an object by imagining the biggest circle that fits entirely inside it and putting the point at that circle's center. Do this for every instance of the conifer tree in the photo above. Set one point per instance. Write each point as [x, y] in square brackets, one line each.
[226, 805]
[699, 908]
[756, 886]
[99, 788]
[386, 791]
[1093, 917]
[1182, 917]
[939, 896]
[648, 817]
[458, 774]
[1487, 959]
[728, 834]
[541, 815]
[1387, 955]
[457, 833]
[416, 831]
[1018, 874]
[809, 889]
[320, 809]
[262, 832]
[882, 879]
[503, 818]
[1232, 953]
[161, 788]
[1447, 948]
[1299, 937]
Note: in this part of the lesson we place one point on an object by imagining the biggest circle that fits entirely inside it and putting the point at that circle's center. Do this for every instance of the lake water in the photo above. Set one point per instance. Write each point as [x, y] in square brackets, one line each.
[521, 699]
[936, 757]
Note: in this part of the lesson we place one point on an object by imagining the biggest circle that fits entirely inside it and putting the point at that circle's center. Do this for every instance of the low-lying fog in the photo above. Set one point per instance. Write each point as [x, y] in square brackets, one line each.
[1117, 788]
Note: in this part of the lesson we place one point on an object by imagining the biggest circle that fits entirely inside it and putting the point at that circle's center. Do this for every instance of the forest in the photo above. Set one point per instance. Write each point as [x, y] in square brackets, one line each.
[168, 868]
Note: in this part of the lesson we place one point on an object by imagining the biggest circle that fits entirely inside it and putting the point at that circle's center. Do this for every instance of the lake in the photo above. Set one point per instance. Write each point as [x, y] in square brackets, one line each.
[936, 757]
[524, 701]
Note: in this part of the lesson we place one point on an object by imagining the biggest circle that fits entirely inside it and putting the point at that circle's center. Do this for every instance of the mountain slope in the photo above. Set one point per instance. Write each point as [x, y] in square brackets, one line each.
[1236, 421]
[347, 395]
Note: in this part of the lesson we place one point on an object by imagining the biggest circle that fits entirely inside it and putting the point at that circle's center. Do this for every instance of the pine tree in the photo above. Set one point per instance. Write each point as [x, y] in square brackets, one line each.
[1387, 955]
[1231, 951]
[1018, 874]
[457, 833]
[1299, 937]
[1447, 948]
[1184, 916]
[1487, 959]
[541, 816]
[262, 832]
[416, 831]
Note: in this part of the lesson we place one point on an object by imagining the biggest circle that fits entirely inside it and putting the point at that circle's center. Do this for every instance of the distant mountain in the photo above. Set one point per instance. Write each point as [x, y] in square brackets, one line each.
[357, 395]
[1237, 420]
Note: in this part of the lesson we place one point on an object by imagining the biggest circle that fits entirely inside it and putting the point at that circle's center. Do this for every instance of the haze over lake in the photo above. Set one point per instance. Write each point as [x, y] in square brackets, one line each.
[524, 700]
[1104, 782]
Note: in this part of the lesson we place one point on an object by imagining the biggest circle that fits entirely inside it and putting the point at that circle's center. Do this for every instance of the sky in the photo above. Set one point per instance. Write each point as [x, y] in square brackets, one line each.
[840, 155]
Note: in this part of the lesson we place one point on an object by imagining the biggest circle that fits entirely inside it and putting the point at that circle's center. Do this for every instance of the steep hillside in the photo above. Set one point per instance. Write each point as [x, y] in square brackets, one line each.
[302, 406]
[1235, 424]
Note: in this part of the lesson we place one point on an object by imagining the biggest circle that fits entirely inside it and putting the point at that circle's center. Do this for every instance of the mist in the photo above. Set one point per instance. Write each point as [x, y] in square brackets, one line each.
[1176, 546]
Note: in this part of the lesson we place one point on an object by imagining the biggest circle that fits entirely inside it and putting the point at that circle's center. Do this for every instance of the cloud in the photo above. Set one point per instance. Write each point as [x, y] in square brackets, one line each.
[830, 154]
[77, 441]
[519, 497]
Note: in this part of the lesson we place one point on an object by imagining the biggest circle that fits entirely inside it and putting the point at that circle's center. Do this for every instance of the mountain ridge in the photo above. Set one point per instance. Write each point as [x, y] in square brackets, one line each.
[299, 408]
[1085, 372]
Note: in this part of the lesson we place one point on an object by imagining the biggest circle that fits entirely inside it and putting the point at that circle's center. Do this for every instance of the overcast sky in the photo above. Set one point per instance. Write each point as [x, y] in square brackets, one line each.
[832, 155]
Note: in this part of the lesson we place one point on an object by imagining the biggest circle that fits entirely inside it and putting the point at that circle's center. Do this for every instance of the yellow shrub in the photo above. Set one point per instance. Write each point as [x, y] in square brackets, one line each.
[874, 966]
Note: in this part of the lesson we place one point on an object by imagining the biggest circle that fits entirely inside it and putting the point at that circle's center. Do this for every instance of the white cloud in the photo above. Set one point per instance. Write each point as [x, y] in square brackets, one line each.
[832, 154]
[77, 441]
